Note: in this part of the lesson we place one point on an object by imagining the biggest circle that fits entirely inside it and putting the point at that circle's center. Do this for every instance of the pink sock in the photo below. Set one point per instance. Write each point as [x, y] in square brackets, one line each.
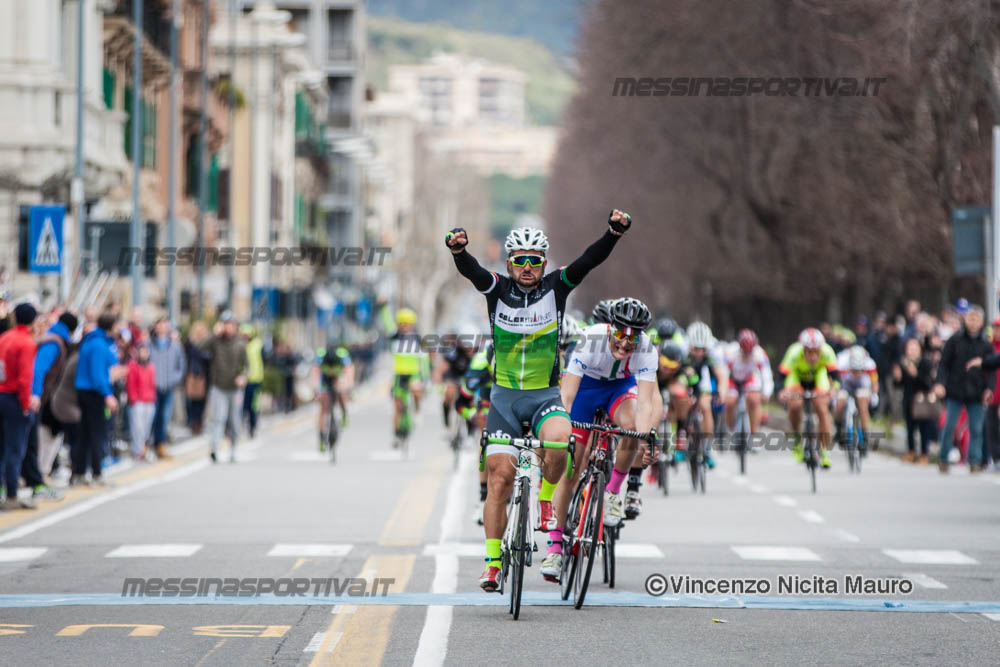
[555, 537]
[615, 483]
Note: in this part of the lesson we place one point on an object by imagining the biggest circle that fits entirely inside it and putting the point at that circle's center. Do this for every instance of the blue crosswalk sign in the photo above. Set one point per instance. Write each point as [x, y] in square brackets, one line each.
[45, 238]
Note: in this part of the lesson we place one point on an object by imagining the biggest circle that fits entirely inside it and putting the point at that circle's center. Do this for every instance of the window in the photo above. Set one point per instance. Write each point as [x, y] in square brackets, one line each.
[435, 98]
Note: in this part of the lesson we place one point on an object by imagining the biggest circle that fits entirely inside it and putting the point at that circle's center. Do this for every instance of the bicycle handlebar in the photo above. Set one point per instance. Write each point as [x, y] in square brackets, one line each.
[615, 430]
[528, 443]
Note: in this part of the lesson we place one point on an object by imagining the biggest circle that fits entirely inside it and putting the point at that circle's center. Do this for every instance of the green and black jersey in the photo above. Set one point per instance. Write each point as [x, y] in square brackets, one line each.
[525, 324]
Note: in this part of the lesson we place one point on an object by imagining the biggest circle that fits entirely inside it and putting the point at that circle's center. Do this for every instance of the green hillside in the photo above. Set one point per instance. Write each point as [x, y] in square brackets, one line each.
[394, 42]
[550, 22]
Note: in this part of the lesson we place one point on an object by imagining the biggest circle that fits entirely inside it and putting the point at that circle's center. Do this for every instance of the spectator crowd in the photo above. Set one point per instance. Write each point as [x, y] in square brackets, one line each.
[940, 373]
[101, 387]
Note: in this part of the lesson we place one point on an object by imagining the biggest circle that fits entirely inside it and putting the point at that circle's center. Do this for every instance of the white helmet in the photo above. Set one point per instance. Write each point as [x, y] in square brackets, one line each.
[699, 335]
[857, 358]
[526, 238]
[568, 330]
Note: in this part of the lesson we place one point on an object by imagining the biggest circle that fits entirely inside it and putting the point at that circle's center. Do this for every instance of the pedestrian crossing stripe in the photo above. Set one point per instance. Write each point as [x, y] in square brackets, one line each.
[12, 554]
[310, 550]
[153, 551]
[930, 556]
[775, 553]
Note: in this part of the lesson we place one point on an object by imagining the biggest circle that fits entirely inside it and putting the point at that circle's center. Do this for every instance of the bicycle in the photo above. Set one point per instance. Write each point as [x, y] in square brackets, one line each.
[853, 443]
[698, 461]
[515, 550]
[810, 450]
[457, 438]
[402, 434]
[741, 431]
[665, 460]
[331, 432]
[585, 533]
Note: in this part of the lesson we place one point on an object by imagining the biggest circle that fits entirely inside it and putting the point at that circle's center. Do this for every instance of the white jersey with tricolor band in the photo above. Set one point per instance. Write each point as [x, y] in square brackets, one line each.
[592, 357]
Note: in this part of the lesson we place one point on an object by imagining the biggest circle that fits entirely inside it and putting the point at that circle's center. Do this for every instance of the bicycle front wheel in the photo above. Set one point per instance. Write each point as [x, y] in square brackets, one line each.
[521, 548]
[567, 575]
[589, 539]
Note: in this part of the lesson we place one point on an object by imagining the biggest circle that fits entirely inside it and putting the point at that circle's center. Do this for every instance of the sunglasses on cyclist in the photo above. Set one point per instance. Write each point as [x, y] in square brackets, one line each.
[628, 334]
[530, 260]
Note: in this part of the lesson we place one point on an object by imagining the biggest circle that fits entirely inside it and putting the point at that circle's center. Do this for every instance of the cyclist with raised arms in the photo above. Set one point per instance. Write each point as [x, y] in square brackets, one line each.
[612, 369]
[526, 308]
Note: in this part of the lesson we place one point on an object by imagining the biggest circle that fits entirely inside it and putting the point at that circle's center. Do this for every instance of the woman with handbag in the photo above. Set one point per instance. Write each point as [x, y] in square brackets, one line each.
[921, 407]
[196, 377]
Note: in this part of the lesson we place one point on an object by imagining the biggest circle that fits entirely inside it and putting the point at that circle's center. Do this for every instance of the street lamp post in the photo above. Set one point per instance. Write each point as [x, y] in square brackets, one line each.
[136, 241]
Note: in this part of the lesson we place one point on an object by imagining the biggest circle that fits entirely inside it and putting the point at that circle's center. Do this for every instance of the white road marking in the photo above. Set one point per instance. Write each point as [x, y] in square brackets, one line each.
[740, 481]
[785, 501]
[433, 645]
[465, 549]
[811, 516]
[317, 641]
[344, 609]
[310, 550]
[632, 550]
[775, 553]
[758, 488]
[923, 580]
[308, 457]
[153, 551]
[97, 501]
[846, 536]
[115, 494]
[930, 556]
[11, 554]
[992, 617]
[387, 455]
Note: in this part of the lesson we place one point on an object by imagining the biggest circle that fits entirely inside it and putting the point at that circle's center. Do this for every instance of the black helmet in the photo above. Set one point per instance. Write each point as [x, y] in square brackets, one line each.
[666, 328]
[672, 351]
[629, 312]
[602, 312]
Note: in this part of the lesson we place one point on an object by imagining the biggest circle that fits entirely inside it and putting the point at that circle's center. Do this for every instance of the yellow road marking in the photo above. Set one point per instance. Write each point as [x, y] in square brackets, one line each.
[361, 638]
[138, 629]
[219, 644]
[405, 527]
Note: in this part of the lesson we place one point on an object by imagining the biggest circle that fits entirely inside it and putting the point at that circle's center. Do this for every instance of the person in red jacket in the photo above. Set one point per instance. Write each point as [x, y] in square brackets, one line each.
[17, 362]
[140, 387]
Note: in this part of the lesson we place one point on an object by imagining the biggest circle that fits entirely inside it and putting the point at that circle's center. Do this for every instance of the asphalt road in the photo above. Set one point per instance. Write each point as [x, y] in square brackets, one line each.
[406, 527]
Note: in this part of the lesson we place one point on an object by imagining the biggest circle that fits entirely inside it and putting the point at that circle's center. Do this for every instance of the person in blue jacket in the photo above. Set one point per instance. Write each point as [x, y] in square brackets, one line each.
[98, 355]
